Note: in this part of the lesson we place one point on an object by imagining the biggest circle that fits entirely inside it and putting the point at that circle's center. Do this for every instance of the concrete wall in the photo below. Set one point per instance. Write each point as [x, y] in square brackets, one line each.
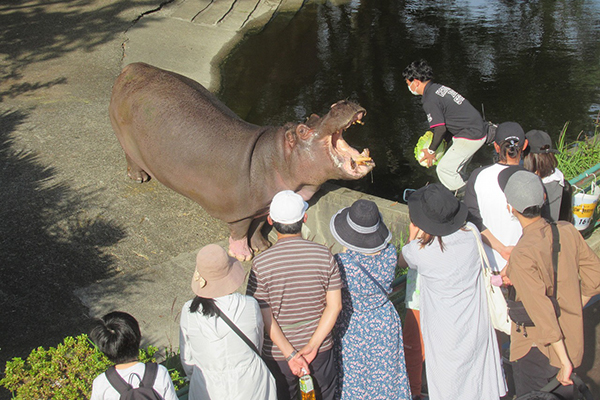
[331, 198]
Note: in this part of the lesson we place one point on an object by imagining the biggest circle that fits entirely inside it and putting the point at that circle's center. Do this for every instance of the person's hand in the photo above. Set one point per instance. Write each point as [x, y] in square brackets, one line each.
[427, 157]
[505, 252]
[564, 374]
[297, 364]
[309, 352]
[505, 279]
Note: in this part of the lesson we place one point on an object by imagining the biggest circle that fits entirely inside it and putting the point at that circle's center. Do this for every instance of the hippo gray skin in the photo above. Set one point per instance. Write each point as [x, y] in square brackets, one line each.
[174, 130]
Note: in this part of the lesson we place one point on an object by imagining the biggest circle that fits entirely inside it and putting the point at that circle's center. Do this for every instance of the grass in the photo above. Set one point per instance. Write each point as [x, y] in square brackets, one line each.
[579, 156]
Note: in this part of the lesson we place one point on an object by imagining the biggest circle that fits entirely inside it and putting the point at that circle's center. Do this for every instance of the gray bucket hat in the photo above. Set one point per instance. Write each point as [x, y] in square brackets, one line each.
[360, 228]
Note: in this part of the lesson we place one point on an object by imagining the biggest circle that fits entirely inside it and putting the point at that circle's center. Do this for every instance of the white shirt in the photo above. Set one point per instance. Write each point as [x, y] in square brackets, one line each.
[494, 212]
[103, 390]
[221, 366]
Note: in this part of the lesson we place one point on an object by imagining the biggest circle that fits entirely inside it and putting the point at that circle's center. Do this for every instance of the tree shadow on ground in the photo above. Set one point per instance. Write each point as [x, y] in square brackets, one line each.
[39, 31]
[49, 246]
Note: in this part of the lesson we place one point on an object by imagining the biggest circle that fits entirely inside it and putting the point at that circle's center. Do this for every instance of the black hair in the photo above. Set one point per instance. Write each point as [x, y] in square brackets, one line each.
[532, 212]
[427, 240]
[288, 229]
[418, 69]
[118, 336]
[509, 149]
[542, 164]
[209, 308]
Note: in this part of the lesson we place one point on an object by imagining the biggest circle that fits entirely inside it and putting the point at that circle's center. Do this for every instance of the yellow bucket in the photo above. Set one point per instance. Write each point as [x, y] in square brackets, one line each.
[584, 205]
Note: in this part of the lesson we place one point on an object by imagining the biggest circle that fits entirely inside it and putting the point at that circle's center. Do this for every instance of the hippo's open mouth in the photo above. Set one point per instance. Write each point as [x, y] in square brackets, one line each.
[353, 163]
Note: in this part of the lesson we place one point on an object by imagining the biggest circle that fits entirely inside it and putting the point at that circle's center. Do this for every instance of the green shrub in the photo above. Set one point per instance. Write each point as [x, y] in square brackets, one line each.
[65, 372]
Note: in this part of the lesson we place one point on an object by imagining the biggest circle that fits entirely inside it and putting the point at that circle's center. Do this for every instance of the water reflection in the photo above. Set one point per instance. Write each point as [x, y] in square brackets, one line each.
[536, 62]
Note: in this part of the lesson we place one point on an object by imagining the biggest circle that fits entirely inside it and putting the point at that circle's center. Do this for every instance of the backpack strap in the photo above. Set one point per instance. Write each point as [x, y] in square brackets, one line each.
[116, 381]
[555, 251]
[149, 375]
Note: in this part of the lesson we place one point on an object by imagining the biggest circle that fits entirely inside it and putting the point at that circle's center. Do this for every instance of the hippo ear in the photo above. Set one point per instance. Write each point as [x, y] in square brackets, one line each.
[290, 138]
[303, 131]
[313, 120]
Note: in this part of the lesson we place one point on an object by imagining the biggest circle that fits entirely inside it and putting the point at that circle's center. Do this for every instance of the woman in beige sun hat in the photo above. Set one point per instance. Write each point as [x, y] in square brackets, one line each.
[219, 363]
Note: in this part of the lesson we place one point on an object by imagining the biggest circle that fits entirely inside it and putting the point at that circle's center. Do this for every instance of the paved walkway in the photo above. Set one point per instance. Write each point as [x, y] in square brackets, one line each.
[189, 37]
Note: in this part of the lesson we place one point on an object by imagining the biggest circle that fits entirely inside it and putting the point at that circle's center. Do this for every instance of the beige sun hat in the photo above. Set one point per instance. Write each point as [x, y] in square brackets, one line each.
[217, 274]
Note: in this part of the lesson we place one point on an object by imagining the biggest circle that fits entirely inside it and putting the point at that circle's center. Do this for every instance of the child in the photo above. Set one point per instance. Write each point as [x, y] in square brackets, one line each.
[118, 336]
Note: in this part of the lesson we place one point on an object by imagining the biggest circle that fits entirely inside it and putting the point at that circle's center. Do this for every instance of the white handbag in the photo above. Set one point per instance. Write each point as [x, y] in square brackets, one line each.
[497, 307]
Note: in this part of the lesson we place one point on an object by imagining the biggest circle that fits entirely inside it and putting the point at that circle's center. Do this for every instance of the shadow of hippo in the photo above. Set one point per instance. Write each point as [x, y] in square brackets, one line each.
[174, 130]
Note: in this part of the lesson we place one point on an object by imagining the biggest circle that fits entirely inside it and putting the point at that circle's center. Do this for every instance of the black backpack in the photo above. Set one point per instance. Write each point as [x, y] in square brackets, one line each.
[580, 391]
[566, 203]
[144, 392]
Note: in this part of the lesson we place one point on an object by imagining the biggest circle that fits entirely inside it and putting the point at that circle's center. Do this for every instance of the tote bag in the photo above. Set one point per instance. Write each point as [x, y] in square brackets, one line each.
[497, 307]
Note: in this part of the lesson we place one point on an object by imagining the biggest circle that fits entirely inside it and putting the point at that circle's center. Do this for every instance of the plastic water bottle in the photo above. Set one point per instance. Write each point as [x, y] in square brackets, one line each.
[307, 389]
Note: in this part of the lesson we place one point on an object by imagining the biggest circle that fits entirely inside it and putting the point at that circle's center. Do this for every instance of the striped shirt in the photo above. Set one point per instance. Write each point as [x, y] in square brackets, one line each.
[293, 278]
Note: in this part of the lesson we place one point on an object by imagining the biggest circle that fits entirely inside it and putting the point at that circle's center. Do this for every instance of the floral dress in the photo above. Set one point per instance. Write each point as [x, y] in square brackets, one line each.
[368, 334]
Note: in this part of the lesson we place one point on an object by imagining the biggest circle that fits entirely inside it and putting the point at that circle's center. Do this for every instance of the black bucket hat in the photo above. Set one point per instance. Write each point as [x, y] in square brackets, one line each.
[360, 228]
[436, 211]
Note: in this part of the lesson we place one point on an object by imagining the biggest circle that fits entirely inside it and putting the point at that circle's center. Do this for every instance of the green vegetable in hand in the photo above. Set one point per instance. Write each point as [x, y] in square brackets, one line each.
[423, 144]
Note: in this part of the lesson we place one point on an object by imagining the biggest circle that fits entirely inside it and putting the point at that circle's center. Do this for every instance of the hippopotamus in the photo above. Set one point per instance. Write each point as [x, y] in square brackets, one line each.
[174, 130]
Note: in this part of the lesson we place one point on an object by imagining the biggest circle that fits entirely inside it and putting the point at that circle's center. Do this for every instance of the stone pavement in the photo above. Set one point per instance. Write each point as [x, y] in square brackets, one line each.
[189, 37]
[71, 220]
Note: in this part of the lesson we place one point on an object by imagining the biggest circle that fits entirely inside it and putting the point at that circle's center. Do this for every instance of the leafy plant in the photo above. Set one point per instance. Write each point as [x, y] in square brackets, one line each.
[579, 156]
[423, 144]
[64, 372]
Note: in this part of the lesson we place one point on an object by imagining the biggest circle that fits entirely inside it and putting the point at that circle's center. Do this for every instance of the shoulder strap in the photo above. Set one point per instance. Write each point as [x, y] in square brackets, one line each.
[117, 381]
[375, 281]
[149, 375]
[236, 330]
[582, 387]
[555, 251]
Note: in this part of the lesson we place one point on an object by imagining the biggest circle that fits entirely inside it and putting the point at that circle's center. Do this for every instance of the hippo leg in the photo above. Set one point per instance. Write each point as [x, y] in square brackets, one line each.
[257, 240]
[238, 241]
[135, 172]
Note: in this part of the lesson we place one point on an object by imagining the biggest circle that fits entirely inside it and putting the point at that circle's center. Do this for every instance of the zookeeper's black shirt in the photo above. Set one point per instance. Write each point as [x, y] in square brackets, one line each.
[444, 106]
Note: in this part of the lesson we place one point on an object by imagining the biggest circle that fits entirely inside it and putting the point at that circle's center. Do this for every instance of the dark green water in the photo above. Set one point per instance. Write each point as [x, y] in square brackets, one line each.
[534, 62]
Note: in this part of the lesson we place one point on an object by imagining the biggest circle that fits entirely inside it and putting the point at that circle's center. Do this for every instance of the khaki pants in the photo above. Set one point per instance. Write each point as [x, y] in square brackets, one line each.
[455, 160]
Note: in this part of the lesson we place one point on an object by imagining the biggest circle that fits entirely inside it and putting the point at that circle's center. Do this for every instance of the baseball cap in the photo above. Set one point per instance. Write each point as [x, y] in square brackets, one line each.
[287, 207]
[510, 131]
[539, 142]
[524, 189]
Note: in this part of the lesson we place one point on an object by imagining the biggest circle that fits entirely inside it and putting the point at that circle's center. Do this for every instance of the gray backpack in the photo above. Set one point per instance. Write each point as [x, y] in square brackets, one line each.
[144, 392]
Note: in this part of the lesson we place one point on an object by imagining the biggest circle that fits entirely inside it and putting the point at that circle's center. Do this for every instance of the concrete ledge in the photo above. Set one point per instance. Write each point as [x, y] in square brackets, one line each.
[331, 198]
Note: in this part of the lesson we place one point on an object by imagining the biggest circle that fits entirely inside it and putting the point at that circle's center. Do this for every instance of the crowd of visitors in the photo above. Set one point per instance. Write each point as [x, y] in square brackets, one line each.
[307, 311]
